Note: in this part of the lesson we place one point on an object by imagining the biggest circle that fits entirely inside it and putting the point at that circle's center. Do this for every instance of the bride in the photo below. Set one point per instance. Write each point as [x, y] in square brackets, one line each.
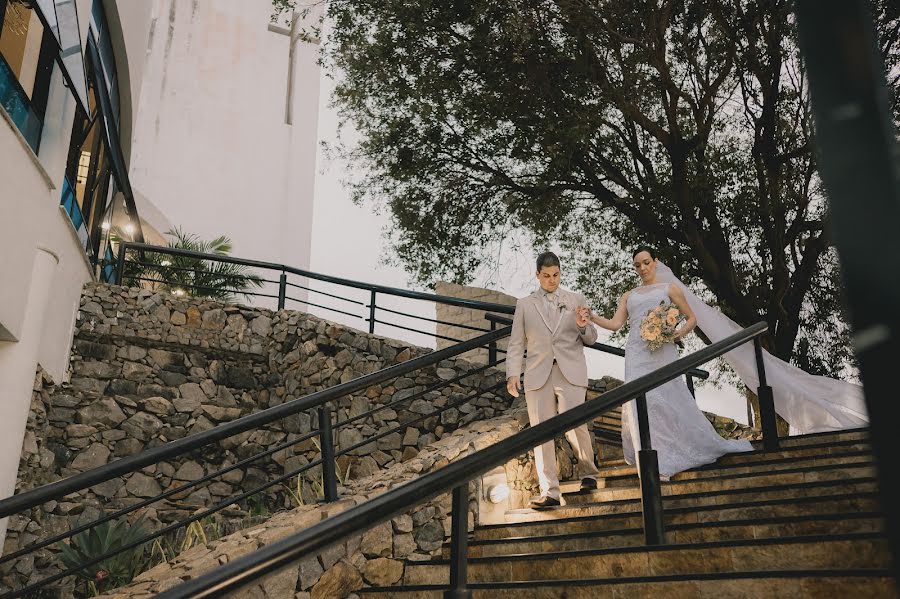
[679, 432]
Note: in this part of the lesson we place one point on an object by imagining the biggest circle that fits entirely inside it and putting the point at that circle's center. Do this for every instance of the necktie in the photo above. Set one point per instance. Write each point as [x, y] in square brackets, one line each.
[552, 310]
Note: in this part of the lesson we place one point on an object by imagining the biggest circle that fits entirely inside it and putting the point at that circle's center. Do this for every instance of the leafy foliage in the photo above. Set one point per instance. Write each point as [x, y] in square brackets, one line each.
[110, 536]
[190, 276]
[602, 124]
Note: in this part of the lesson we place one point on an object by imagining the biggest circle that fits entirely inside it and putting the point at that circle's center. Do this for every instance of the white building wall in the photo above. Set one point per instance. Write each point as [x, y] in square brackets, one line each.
[212, 150]
[130, 24]
[31, 193]
[44, 266]
[33, 219]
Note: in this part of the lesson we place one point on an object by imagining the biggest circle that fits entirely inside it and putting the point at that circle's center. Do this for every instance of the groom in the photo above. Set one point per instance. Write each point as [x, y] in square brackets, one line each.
[553, 325]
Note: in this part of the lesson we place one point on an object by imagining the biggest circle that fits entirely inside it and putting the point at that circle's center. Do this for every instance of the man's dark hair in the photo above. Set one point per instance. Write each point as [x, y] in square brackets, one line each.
[546, 260]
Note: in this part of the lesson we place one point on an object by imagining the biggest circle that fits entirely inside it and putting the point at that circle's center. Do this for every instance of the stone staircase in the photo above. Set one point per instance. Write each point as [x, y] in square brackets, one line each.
[800, 522]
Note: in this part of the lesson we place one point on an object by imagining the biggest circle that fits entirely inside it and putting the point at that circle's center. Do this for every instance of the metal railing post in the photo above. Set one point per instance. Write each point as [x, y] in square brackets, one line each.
[282, 290]
[651, 491]
[120, 263]
[492, 346]
[326, 441]
[766, 402]
[372, 312]
[459, 544]
[690, 384]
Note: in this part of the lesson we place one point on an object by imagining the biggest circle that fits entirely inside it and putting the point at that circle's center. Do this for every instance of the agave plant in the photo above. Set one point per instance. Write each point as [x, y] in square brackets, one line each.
[192, 277]
[110, 536]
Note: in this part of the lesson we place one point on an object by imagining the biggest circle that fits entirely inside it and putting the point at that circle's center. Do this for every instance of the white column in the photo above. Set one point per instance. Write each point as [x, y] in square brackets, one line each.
[18, 364]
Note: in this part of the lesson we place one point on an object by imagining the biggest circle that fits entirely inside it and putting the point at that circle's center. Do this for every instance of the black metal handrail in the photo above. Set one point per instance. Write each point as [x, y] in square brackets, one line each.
[371, 287]
[493, 311]
[181, 447]
[178, 448]
[172, 449]
[455, 477]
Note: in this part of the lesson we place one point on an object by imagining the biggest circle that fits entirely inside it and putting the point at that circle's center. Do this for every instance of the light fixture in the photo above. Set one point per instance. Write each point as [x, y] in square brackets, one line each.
[129, 228]
[498, 493]
[178, 292]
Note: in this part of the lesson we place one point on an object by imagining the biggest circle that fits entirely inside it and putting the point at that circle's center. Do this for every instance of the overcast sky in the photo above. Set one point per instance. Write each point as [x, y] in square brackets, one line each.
[347, 241]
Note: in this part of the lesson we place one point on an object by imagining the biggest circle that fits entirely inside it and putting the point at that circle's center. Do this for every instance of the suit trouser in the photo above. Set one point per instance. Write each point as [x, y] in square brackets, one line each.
[542, 405]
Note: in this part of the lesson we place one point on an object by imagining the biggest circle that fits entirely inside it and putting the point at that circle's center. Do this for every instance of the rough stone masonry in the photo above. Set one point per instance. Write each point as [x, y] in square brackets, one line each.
[148, 368]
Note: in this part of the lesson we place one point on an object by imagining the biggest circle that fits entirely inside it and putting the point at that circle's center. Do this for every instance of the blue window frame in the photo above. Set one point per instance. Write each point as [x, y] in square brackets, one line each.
[70, 203]
[18, 106]
[27, 52]
[108, 272]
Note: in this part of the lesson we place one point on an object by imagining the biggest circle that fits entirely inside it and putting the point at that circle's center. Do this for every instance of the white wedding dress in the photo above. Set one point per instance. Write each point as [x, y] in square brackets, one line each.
[679, 432]
[809, 403]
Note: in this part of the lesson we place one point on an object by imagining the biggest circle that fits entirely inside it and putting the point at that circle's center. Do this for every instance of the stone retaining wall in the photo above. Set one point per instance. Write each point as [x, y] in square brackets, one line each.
[148, 368]
[373, 558]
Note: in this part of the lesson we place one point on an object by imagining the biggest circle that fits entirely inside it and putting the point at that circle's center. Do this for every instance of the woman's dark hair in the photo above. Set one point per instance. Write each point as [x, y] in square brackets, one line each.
[644, 248]
[546, 260]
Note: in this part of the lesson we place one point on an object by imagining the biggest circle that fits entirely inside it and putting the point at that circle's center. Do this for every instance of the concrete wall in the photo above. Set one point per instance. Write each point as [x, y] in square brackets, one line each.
[212, 149]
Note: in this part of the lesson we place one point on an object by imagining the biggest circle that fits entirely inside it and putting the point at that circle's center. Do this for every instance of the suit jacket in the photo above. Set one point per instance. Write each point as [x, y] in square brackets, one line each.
[531, 332]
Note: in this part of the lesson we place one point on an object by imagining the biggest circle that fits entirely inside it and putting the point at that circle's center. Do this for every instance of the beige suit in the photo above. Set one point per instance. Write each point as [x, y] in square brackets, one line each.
[555, 373]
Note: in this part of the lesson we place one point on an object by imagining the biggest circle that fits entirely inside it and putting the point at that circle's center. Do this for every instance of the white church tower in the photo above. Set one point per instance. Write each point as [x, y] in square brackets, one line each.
[225, 142]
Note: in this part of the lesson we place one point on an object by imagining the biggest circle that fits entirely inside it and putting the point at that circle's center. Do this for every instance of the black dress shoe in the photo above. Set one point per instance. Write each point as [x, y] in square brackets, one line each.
[543, 503]
[588, 484]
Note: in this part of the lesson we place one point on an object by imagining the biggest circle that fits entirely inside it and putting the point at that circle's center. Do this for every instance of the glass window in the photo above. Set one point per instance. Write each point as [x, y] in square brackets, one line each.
[100, 30]
[61, 17]
[94, 153]
[87, 169]
[88, 181]
[27, 52]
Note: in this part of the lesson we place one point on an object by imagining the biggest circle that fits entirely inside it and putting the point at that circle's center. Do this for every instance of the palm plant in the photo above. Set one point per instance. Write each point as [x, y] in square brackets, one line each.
[193, 277]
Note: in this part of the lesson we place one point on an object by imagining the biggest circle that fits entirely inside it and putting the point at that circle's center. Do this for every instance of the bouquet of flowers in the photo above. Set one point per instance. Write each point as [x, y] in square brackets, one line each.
[659, 325]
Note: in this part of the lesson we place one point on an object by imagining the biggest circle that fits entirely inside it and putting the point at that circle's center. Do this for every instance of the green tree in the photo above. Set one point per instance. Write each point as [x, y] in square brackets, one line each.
[193, 277]
[601, 124]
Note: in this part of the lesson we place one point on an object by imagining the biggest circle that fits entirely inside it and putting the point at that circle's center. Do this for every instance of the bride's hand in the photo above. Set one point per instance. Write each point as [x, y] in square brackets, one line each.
[600, 321]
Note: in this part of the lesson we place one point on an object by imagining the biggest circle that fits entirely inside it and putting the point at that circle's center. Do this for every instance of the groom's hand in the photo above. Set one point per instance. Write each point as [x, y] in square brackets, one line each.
[512, 385]
[582, 316]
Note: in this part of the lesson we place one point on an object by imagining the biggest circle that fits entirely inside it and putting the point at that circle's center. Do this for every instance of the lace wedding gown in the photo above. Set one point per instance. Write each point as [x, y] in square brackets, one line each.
[679, 432]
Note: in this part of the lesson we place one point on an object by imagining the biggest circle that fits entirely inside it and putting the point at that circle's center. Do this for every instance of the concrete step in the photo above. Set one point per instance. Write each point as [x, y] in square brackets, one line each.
[859, 434]
[800, 449]
[772, 508]
[728, 482]
[762, 492]
[818, 448]
[808, 584]
[614, 465]
[680, 533]
[855, 551]
[625, 475]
